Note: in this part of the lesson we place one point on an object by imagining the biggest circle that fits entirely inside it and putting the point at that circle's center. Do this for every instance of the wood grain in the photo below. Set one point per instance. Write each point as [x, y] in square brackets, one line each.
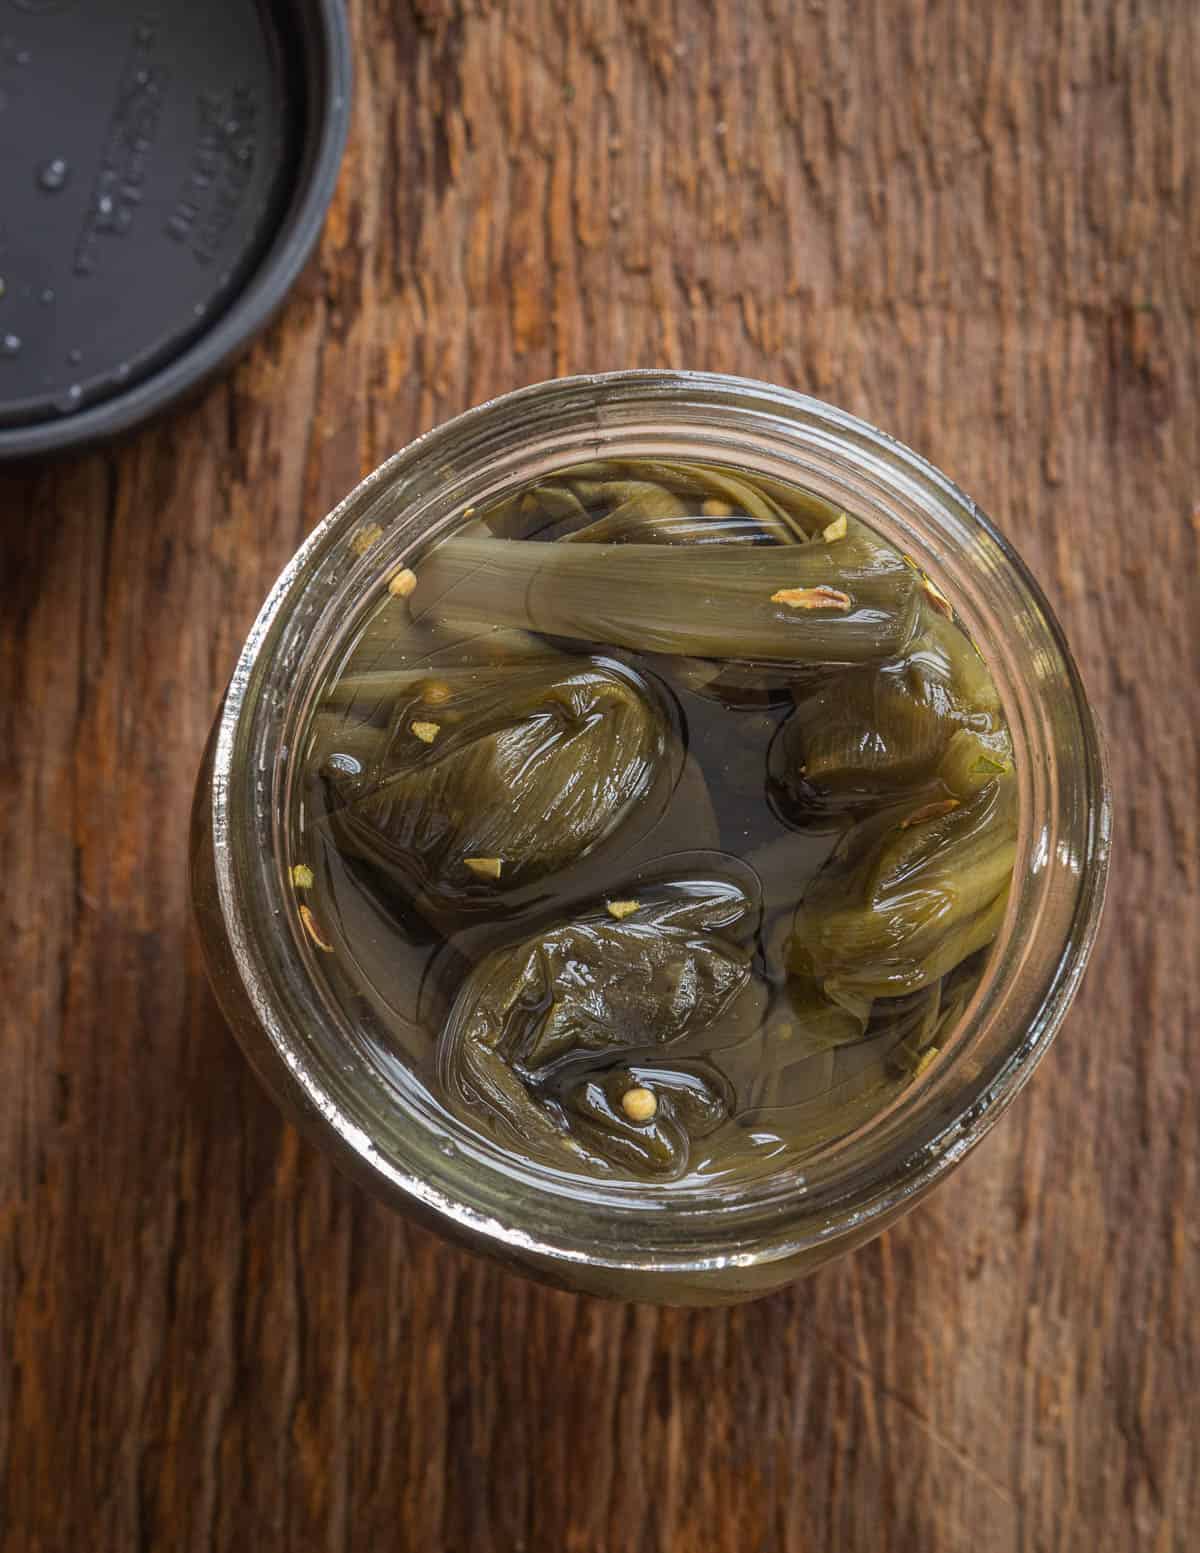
[977, 225]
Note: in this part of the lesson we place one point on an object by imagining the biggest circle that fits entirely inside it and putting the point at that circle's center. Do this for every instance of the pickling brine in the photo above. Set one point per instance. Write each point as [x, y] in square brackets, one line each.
[662, 817]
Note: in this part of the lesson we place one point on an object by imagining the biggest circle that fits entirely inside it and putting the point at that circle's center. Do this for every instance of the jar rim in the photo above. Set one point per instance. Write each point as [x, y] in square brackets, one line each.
[762, 421]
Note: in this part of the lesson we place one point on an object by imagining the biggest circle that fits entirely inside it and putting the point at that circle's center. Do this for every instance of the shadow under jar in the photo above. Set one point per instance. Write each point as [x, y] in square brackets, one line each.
[358, 980]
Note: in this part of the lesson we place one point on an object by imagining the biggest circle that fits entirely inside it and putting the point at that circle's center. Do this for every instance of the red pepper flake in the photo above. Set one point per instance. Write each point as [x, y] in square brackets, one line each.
[820, 597]
[313, 931]
[937, 598]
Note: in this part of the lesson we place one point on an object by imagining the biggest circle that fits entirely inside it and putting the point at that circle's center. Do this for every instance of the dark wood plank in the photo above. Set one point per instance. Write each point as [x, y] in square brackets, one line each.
[977, 226]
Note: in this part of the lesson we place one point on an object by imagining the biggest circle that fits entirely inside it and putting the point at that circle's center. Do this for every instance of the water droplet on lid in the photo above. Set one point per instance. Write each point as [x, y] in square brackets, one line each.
[23, 56]
[105, 204]
[141, 77]
[75, 356]
[54, 174]
[47, 295]
[122, 372]
[69, 401]
[200, 309]
[10, 345]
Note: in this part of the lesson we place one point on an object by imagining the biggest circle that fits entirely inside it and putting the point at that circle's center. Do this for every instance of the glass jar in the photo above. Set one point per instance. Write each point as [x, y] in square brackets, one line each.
[649, 1242]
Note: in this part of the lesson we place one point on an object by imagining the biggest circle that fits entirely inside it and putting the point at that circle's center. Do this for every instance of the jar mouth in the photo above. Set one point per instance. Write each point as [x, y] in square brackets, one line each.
[391, 1133]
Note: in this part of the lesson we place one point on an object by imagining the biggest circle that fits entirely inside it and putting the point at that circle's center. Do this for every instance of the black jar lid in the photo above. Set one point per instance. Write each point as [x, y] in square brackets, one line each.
[165, 167]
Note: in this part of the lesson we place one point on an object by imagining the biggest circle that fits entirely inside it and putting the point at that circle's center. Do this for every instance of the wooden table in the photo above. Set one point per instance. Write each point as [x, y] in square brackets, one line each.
[976, 225]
